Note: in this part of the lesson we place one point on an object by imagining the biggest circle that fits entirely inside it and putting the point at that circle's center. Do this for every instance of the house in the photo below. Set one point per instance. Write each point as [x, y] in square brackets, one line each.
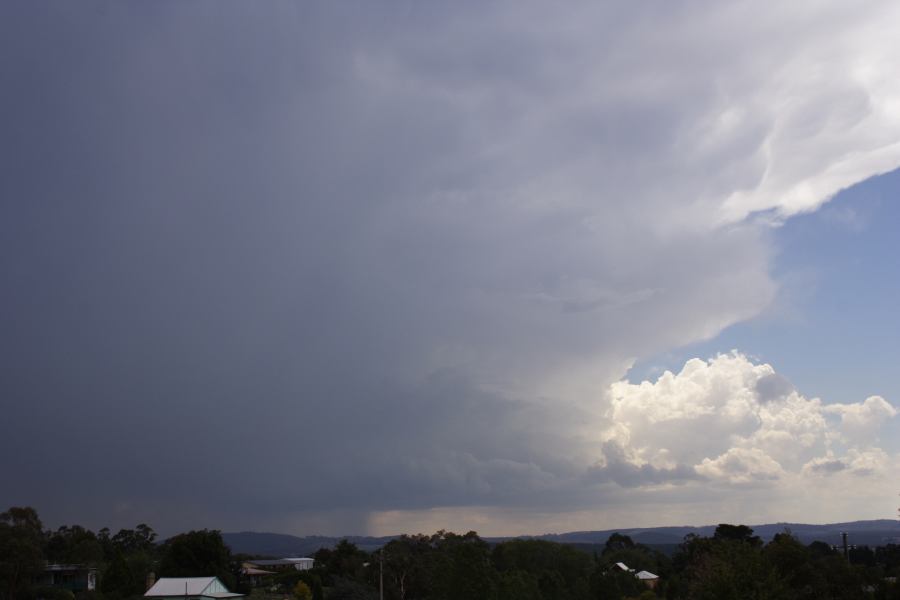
[190, 588]
[255, 577]
[76, 578]
[255, 572]
[646, 577]
[281, 564]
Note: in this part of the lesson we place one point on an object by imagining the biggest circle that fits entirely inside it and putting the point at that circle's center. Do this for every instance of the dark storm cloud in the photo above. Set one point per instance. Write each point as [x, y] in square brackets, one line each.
[301, 258]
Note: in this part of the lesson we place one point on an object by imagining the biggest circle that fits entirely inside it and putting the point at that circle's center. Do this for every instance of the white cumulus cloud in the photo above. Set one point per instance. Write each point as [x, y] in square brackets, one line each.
[735, 422]
[861, 422]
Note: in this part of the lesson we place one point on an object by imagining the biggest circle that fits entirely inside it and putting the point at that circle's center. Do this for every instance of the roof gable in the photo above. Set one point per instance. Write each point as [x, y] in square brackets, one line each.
[186, 586]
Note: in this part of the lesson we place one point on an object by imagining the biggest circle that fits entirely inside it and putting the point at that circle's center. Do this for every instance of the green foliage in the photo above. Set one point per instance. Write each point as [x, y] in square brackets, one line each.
[728, 566]
[197, 554]
[561, 571]
[617, 542]
[733, 564]
[344, 561]
[131, 556]
[301, 591]
[315, 584]
[736, 533]
[613, 584]
[794, 563]
[463, 569]
[889, 557]
[345, 589]
[285, 579]
[408, 566]
[126, 575]
[46, 592]
[89, 595]
[21, 552]
[139, 539]
[518, 585]
[862, 556]
[310, 579]
[74, 545]
[119, 581]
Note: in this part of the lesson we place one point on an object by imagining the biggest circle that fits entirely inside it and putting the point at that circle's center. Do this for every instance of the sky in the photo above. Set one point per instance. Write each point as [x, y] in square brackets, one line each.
[385, 267]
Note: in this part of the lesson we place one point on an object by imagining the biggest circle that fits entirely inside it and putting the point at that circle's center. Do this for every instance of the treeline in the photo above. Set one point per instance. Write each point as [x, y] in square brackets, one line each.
[123, 560]
[733, 564]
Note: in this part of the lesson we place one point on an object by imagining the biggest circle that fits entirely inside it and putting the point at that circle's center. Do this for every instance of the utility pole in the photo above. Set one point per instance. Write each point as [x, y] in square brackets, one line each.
[381, 574]
[845, 546]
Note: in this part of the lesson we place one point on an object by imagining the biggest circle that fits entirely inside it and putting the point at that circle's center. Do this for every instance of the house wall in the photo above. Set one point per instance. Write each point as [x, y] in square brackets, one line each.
[215, 587]
[76, 580]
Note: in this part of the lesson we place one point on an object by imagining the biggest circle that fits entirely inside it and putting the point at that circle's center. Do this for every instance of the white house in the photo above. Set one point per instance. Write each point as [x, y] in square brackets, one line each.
[190, 588]
[280, 564]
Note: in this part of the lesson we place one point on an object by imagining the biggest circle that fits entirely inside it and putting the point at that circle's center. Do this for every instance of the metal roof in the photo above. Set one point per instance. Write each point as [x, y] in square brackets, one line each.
[210, 587]
[279, 561]
[646, 575]
[69, 568]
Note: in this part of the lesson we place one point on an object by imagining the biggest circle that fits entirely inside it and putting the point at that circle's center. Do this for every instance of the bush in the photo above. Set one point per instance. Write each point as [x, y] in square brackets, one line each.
[46, 592]
[301, 591]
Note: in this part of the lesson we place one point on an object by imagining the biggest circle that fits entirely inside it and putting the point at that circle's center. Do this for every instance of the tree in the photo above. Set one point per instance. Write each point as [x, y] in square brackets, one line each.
[344, 561]
[315, 584]
[518, 585]
[730, 566]
[21, 554]
[131, 554]
[301, 591]
[613, 584]
[408, 563]
[287, 580]
[139, 539]
[119, 580]
[74, 545]
[463, 569]
[561, 570]
[737, 533]
[197, 554]
[345, 589]
[889, 556]
[616, 542]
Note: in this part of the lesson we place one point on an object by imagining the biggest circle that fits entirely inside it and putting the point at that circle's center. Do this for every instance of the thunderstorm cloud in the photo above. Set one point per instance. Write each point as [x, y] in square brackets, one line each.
[346, 267]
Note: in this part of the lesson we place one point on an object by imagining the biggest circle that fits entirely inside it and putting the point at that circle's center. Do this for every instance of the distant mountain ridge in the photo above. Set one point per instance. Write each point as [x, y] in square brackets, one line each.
[280, 545]
[862, 533]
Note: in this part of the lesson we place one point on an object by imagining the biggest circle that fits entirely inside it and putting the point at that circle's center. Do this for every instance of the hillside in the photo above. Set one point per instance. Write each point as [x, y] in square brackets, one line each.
[871, 533]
